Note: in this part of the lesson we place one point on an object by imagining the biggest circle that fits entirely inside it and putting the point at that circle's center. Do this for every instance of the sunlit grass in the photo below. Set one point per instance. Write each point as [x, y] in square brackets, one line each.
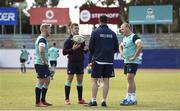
[156, 90]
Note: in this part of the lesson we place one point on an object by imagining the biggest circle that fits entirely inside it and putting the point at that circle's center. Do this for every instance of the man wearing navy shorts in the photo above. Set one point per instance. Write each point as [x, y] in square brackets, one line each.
[102, 46]
[130, 50]
[41, 66]
[53, 55]
[75, 53]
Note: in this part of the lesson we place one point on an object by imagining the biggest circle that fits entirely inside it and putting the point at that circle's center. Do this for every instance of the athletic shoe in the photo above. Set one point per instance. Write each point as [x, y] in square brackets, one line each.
[82, 102]
[46, 103]
[40, 104]
[125, 102]
[103, 104]
[67, 102]
[94, 103]
[132, 103]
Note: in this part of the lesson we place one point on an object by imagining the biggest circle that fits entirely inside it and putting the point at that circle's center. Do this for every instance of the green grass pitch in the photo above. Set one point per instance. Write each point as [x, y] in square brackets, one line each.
[157, 89]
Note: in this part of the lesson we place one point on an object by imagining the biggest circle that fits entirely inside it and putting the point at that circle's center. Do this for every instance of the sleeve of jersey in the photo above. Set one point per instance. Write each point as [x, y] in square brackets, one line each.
[116, 44]
[91, 46]
[67, 49]
[42, 42]
[135, 37]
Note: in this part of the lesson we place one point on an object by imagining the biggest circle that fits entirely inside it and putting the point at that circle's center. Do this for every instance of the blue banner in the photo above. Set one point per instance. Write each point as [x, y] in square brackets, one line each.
[152, 58]
[8, 16]
[161, 14]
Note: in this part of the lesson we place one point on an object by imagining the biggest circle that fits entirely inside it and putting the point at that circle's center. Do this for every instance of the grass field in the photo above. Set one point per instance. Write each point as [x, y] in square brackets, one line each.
[157, 89]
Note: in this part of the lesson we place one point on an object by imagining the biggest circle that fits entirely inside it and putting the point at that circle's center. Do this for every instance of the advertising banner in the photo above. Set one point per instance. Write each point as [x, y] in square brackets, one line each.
[91, 15]
[161, 14]
[152, 58]
[58, 16]
[8, 16]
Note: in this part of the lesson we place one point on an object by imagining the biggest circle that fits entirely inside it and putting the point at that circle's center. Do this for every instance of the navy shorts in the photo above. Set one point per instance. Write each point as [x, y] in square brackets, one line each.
[53, 63]
[102, 70]
[130, 68]
[22, 60]
[42, 71]
[75, 68]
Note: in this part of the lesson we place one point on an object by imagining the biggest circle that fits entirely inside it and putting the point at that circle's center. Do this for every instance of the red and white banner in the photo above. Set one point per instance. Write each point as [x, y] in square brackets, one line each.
[58, 16]
[90, 15]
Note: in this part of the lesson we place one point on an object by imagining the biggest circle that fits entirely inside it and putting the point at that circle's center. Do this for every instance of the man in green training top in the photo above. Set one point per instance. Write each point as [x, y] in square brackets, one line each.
[41, 66]
[130, 50]
[53, 55]
[23, 58]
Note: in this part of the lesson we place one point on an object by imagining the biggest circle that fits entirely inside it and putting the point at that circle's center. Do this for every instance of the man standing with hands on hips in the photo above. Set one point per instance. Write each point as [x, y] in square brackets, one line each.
[130, 50]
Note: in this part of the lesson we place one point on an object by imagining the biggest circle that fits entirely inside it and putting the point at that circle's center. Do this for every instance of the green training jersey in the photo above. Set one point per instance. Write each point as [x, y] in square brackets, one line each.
[129, 49]
[53, 54]
[24, 54]
[42, 40]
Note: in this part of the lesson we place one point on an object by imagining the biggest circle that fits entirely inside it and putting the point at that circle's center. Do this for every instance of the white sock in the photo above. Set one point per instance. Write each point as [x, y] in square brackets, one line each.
[128, 96]
[103, 100]
[93, 99]
[133, 97]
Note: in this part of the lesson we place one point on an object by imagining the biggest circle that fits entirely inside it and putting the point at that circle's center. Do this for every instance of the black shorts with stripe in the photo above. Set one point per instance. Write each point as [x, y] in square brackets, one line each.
[42, 71]
[102, 70]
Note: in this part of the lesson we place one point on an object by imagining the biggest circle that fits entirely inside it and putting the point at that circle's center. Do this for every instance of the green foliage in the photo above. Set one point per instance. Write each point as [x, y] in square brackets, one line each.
[156, 90]
[41, 3]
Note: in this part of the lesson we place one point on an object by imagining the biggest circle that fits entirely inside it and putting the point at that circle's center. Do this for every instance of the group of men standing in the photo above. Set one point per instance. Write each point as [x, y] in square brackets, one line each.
[102, 46]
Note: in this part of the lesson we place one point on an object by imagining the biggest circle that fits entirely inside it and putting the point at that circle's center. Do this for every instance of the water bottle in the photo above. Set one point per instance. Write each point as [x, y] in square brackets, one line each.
[89, 70]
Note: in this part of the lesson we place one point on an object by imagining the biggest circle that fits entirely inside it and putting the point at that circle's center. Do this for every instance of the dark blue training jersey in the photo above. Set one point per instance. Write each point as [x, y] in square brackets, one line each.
[73, 56]
[103, 44]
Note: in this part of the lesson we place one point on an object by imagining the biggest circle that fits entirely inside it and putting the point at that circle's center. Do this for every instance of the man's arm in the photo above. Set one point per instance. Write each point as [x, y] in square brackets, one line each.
[139, 48]
[121, 49]
[91, 47]
[42, 54]
[68, 49]
[116, 48]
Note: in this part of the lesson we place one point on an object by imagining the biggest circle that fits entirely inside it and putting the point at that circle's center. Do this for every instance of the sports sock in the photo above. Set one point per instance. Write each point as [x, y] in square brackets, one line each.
[21, 69]
[24, 68]
[128, 96]
[38, 89]
[103, 100]
[93, 100]
[133, 97]
[79, 90]
[67, 91]
[44, 91]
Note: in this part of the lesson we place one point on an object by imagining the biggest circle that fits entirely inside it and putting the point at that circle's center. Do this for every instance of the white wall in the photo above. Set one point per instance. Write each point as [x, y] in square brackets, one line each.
[9, 58]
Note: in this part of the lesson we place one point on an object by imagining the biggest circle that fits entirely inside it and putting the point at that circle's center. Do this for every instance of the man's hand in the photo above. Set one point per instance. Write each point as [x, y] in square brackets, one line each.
[76, 46]
[85, 48]
[44, 62]
[132, 58]
[122, 55]
[90, 65]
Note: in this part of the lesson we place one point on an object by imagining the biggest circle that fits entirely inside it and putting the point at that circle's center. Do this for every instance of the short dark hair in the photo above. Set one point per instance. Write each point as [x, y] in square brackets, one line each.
[24, 46]
[54, 44]
[73, 24]
[103, 19]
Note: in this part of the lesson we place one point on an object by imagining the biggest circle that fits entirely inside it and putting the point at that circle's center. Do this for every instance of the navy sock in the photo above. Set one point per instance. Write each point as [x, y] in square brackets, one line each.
[38, 94]
[79, 90]
[44, 91]
[67, 91]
